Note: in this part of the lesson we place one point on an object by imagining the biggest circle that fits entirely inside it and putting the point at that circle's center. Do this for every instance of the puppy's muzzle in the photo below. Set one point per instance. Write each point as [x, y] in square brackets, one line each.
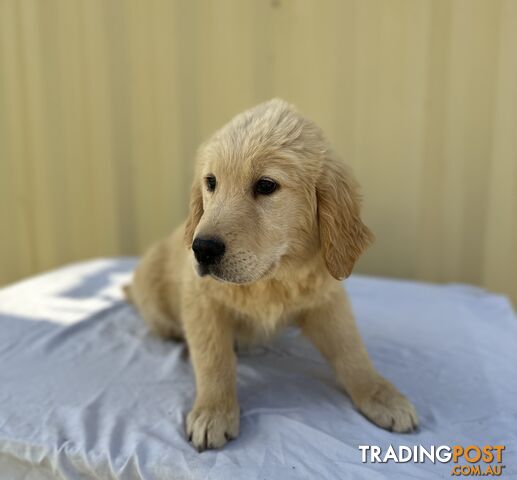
[208, 251]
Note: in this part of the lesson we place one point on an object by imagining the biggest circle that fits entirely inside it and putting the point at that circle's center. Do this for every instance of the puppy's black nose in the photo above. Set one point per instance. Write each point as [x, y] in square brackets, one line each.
[208, 250]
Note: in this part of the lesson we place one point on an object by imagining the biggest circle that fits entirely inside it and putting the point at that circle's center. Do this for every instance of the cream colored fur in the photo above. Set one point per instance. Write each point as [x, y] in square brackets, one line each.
[285, 254]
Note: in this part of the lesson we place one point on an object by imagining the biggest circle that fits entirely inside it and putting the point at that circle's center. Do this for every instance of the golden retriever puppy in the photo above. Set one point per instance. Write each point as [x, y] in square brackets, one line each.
[274, 225]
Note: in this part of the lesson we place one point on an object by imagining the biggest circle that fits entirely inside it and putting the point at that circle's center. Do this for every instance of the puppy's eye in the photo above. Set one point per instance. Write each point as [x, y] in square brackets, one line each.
[265, 186]
[210, 183]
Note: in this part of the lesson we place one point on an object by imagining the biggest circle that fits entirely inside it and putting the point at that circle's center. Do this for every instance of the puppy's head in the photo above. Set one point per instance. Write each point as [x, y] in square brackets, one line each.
[268, 190]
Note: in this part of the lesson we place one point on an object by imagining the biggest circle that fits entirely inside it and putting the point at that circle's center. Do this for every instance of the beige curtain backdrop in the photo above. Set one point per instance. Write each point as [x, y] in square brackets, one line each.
[103, 103]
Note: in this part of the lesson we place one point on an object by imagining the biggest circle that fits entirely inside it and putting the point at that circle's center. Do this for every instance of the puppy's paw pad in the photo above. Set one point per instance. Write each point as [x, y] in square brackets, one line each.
[212, 427]
[385, 406]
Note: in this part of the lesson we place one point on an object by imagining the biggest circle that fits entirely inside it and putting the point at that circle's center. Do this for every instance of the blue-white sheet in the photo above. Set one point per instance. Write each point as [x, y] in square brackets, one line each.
[87, 392]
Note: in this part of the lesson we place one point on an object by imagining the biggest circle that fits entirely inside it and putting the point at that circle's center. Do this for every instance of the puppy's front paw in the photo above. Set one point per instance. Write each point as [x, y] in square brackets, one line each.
[385, 406]
[212, 427]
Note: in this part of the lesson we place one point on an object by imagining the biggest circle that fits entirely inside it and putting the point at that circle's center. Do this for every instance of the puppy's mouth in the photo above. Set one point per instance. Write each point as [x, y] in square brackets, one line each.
[218, 272]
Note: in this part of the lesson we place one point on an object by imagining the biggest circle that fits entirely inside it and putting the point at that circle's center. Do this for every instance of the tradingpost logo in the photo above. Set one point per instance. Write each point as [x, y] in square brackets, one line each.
[468, 461]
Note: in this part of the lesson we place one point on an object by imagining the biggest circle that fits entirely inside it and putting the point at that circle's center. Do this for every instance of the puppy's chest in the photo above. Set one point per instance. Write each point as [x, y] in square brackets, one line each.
[266, 308]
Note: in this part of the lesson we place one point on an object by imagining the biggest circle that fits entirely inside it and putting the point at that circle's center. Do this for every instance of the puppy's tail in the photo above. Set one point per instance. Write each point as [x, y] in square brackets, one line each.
[126, 289]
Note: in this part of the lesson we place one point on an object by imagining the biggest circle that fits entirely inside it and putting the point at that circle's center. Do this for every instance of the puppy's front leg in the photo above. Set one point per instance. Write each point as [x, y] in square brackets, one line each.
[332, 328]
[214, 418]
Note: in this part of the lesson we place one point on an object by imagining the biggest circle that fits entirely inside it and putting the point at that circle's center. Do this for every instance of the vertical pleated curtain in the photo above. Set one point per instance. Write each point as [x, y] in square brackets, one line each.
[103, 104]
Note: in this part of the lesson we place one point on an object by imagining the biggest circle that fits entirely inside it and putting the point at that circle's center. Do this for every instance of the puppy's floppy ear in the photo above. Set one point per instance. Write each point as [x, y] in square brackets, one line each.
[343, 235]
[195, 211]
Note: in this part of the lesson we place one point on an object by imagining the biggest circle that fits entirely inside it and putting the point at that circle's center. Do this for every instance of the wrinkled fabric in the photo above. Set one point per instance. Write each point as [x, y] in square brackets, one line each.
[87, 392]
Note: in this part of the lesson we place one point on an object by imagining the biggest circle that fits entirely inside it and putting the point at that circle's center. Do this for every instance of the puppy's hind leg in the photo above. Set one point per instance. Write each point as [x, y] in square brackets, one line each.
[160, 323]
[154, 293]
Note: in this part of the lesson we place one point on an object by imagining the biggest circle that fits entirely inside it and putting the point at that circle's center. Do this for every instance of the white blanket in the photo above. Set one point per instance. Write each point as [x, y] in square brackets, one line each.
[87, 392]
